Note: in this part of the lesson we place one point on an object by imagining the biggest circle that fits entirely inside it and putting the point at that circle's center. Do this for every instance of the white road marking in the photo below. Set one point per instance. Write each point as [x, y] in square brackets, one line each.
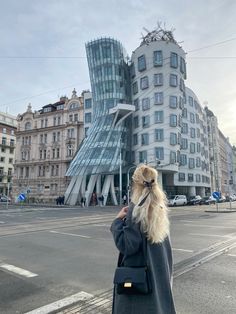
[190, 251]
[209, 235]
[71, 234]
[186, 220]
[2, 222]
[208, 226]
[18, 270]
[55, 306]
[233, 255]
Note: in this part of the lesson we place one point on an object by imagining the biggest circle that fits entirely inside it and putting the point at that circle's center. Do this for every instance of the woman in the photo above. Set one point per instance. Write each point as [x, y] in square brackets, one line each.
[145, 218]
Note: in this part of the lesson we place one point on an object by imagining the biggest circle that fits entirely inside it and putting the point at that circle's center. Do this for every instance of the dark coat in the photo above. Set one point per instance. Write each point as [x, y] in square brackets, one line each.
[129, 241]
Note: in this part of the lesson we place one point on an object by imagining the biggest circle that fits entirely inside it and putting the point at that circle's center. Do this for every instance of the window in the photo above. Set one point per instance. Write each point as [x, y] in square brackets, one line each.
[198, 162]
[198, 147]
[76, 117]
[12, 132]
[10, 160]
[159, 117]
[184, 129]
[190, 101]
[181, 85]
[70, 150]
[192, 117]
[2, 159]
[184, 143]
[145, 121]
[143, 156]
[185, 113]
[158, 79]
[27, 126]
[190, 177]
[183, 159]
[70, 117]
[70, 133]
[58, 152]
[54, 121]
[144, 82]
[54, 137]
[159, 135]
[192, 148]
[192, 133]
[141, 63]
[173, 138]
[135, 139]
[191, 163]
[88, 103]
[42, 123]
[58, 120]
[45, 138]
[198, 178]
[135, 88]
[4, 130]
[145, 139]
[60, 107]
[157, 58]
[88, 117]
[181, 176]
[173, 80]
[172, 157]
[136, 122]
[183, 66]
[159, 152]
[173, 120]
[145, 104]
[158, 98]
[136, 104]
[174, 60]
[173, 101]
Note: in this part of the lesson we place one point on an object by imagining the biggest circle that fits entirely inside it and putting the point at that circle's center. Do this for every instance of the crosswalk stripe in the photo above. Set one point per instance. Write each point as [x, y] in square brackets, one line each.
[18, 270]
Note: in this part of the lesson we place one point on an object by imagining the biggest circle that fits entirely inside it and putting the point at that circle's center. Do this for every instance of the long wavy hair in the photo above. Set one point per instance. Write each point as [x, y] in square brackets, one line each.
[150, 208]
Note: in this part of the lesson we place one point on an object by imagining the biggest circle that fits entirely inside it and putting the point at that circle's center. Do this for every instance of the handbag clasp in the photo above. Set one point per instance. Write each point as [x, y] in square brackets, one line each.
[127, 284]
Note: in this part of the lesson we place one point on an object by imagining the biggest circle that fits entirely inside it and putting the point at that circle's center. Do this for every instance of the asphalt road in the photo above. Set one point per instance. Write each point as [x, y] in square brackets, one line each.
[56, 253]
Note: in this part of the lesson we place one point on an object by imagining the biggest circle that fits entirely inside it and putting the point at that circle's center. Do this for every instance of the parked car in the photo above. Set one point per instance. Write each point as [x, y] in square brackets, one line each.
[207, 200]
[222, 199]
[177, 200]
[4, 199]
[194, 200]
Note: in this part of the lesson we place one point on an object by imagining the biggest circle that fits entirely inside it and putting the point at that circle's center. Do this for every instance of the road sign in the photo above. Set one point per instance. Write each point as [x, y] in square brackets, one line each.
[216, 195]
[21, 197]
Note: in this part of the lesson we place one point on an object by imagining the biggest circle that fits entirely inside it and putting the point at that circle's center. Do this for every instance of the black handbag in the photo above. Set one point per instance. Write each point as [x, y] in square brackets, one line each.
[133, 280]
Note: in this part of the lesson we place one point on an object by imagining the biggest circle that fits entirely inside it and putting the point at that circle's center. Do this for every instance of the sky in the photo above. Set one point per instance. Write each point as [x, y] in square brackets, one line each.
[42, 47]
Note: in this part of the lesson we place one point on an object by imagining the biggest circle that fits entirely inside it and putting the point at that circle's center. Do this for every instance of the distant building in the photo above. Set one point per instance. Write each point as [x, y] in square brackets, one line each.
[8, 126]
[46, 143]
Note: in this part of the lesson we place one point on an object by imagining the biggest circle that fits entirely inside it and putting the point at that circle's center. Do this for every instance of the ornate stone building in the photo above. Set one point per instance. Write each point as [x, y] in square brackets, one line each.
[46, 143]
[7, 151]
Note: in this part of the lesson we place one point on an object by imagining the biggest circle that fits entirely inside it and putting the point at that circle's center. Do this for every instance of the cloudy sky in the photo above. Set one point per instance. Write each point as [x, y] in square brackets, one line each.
[37, 37]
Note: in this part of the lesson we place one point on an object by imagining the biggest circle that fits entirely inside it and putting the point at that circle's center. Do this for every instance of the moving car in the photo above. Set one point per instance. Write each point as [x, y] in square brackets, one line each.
[177, 200]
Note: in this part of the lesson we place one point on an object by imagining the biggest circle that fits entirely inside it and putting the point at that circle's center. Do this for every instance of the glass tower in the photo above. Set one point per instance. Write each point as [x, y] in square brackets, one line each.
[100, 151]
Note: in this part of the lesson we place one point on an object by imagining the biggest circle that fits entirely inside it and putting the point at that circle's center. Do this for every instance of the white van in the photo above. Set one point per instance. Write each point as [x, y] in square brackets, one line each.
[177, 200]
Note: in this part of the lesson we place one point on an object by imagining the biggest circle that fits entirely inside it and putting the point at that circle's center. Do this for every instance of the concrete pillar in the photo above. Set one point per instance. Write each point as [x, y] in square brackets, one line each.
[192, 190]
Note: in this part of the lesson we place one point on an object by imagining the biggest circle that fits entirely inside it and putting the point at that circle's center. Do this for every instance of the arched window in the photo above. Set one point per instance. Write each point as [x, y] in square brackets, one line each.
[28, 126]
[73, 105]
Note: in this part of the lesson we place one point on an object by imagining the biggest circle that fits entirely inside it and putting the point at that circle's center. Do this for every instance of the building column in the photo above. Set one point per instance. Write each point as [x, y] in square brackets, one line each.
[192, 190]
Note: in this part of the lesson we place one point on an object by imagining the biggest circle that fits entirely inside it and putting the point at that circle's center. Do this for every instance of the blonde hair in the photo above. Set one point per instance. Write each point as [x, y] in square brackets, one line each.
[150, 208]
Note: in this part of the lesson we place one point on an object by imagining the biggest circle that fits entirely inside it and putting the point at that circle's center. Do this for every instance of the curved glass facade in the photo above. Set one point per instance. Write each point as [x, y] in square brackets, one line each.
[100, 151]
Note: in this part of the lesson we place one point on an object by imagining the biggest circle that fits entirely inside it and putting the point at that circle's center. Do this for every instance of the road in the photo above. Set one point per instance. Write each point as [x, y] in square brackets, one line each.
[48, 254]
